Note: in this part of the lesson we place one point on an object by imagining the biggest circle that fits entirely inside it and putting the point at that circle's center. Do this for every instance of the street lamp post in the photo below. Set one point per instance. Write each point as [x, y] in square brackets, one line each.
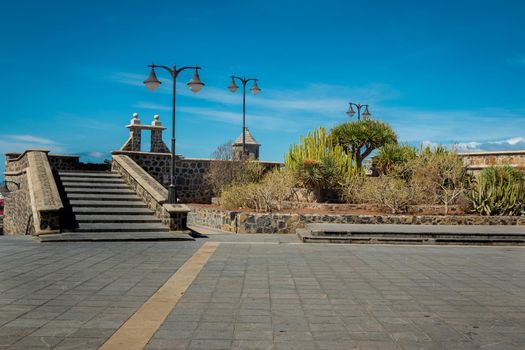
[351, 112]
[255, 90]
[195, 85]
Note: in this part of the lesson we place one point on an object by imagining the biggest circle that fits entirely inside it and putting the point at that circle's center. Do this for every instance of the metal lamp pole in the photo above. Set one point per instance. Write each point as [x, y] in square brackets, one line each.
[195, 85]
[351, 112]
[255, 90]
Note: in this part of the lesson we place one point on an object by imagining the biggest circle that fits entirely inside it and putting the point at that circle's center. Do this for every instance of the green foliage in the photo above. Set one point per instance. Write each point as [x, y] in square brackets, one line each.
[266, 195]
[319, 165]
[315, 147]
[498, 191]
[393, 155]
[360, 138]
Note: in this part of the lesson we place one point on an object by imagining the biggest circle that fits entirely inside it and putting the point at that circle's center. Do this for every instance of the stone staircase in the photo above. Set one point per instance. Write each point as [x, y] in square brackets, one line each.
[413, 234]
[101, 206]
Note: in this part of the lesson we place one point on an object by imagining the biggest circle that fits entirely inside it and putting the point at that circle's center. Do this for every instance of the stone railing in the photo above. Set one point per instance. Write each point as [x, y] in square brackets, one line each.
[62, 162]
[151, 191]
[33, 205]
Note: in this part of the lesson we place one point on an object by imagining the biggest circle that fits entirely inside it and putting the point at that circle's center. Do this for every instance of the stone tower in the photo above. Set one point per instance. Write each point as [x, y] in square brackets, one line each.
[252, 147]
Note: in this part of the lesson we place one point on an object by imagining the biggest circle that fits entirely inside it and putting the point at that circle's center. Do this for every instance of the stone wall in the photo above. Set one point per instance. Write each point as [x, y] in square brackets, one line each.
[246, 222]
[61, 162]
[151, 191]
[479, 160]
[190, 173]
[33, 204]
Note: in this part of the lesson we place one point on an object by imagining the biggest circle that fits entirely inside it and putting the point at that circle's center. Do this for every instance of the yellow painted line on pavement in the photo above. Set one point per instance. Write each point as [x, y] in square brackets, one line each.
[136, 332]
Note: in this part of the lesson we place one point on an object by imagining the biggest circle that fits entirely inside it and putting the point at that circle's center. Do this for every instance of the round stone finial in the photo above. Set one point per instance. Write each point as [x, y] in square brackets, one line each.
[156, 121]
[135, 120]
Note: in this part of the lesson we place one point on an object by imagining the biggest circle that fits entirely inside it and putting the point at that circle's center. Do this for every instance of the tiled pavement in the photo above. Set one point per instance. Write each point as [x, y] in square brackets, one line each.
[259, 295]
[75, 295]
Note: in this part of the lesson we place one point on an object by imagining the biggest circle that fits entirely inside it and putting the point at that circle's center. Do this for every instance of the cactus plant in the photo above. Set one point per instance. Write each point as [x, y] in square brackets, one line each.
[498, 191]
[316, 146]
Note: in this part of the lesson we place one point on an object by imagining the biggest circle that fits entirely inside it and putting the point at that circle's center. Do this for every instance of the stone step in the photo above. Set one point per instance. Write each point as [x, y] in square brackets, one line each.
[92, 179]
[99, 190]
[111, 211]
[341, 229]
[307, 238]
[115, 204]
[121, 227]
[117, 236]
[414, 234]
[91, 174]
[68, 185]
[103, 196]
[103, 218]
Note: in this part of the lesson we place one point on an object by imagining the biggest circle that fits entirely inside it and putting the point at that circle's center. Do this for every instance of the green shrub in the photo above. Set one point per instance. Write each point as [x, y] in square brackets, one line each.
[393, 155]
[320, 166]
[498, 191]
[361, 137]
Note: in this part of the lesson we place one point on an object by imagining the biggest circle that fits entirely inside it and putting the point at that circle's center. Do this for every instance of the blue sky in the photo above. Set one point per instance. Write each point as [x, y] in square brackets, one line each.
[448, 72]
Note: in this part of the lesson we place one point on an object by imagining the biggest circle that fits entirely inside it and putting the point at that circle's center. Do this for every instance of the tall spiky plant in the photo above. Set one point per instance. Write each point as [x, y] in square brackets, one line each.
[316, 146]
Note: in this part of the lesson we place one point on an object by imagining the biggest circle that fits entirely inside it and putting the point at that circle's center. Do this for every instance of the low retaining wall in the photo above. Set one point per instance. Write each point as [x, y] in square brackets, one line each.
[152, 192]
[477, 161]
[245, 222]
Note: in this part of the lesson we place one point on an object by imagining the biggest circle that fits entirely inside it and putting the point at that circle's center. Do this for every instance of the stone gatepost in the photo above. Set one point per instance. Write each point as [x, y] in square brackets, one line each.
[157, 144]
[135, 128]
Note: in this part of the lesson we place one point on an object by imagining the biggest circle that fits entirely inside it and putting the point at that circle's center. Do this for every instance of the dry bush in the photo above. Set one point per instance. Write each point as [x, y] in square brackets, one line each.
[388, 192]
[351, 188]
[225, 173]
[267, 195]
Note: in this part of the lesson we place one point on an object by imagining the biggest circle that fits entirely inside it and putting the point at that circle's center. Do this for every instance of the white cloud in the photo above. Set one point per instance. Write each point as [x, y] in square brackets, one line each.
[517, 61]
[29, 139]
[509, 144]
[308, 107]
[19, 143]
[154, 106]
[512, 141]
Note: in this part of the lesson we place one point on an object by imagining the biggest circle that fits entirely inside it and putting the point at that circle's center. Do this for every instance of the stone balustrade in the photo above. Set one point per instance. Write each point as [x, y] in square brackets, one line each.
[33, 205]
[151, 191]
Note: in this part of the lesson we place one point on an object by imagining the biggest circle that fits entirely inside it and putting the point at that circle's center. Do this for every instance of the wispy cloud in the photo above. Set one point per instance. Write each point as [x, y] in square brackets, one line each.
[509, 144]
[264, 122]
[29, 139]
[20, 143]
[324, 104]
[517, 60]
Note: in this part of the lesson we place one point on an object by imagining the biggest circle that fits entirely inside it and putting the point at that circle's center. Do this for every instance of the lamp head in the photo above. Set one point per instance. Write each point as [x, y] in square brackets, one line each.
[255, 88]
[366, 113]
[152, 83]
[350, 111]
[195, 84]
[233, 87]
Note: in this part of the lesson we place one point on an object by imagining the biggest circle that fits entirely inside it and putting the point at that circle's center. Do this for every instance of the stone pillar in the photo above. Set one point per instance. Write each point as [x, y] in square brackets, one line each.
[133, 142]
[157, 144]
